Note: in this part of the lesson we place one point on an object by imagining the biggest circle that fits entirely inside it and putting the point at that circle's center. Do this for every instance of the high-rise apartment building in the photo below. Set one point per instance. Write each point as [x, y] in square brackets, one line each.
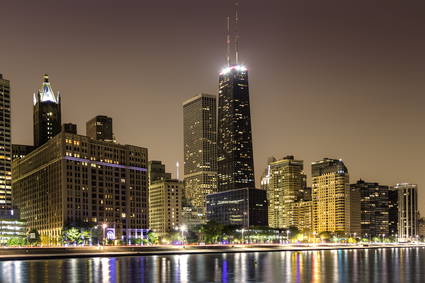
[47, 114]
[408, 214]
[284, 182]
[374, 208]
[234, 140]
[100, 128]
[73, 178]
[5, 146]
[333, 207]
[200, 148]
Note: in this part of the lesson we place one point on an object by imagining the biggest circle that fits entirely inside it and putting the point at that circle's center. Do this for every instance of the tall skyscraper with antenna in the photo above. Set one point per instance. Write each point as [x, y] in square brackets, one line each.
[234, 137]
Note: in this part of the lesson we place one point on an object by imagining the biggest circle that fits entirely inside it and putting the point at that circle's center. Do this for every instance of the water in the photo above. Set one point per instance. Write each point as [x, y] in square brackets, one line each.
[373, 265]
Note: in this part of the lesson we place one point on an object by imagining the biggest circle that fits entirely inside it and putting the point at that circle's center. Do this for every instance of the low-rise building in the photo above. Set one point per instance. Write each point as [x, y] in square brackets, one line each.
[242, 207]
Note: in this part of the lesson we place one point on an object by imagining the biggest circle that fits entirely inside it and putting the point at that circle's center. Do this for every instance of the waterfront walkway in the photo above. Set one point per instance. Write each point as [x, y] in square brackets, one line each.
[31, 253]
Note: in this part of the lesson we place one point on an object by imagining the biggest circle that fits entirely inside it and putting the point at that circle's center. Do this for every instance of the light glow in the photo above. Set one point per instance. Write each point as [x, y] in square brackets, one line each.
[234, 67]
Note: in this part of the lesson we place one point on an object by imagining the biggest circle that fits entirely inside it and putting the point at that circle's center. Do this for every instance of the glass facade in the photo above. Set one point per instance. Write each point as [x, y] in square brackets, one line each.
[242, 207]
[235, 154]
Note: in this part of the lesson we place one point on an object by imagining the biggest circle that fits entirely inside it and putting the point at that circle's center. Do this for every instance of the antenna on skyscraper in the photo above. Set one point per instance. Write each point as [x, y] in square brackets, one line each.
[177, 164]
[237, 37]
[228, 43]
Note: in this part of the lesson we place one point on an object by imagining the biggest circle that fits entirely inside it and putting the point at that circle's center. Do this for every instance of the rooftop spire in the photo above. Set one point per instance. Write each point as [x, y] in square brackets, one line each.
[228, 43]
[237, 37]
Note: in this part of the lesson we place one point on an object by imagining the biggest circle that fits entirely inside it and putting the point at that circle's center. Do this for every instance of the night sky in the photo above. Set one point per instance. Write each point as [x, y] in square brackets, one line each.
[336, 79]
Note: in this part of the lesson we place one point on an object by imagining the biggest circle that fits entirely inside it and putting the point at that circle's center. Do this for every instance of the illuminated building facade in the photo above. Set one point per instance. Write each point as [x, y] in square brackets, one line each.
[5, 146]
[74, 178]
[301, 214]
[284, 182]
[408, 214]
[374, 208]
[11, 225]
[335, 206]
[242, 207]
[100, 128]
[200, 148]
[234, 140]
[47, 114]
[165, 205]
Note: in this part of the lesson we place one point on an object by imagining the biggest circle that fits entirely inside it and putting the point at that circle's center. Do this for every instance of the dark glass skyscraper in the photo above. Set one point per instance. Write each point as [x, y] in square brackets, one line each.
[234, 139]
[47, 114]
[5, 146]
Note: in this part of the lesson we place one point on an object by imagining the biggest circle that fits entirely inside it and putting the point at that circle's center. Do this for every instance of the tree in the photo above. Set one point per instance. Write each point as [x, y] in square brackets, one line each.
[45, 240]
[15, 242]
[172, 236]
[74, 235]
[212, 231]
[36, 239]
[191, 237]
[152, 237]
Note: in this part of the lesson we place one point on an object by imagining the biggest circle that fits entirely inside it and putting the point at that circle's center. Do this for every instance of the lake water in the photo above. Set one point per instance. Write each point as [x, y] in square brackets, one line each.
[373, 265]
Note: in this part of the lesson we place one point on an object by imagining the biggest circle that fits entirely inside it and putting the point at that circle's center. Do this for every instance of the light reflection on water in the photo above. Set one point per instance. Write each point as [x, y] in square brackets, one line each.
[374, 265]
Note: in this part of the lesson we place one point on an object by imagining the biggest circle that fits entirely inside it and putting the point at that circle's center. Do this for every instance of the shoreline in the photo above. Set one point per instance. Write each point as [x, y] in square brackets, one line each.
[40, 253]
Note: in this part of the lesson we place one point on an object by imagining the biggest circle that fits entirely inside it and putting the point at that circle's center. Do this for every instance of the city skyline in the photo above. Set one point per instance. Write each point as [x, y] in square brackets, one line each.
[340, 80]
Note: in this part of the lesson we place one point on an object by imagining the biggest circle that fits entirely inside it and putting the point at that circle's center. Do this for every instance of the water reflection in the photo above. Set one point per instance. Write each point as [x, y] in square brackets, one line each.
[374, 265]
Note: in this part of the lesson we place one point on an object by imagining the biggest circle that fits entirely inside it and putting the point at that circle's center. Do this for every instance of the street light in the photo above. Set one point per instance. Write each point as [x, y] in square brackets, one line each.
[183, 228]
[242, 237]
[314, 236]
[287, 235]
[104, 240]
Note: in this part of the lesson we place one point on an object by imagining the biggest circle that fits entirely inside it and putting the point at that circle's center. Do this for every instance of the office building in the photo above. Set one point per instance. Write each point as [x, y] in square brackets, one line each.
[47, 114]
[73, 178]
[285, 183]
[408, 214]
[200, 148]
[5, 146]
[234, 140]
[100, 128]
[156, 171]
[165, 205]
[333, 205]
[242, 207]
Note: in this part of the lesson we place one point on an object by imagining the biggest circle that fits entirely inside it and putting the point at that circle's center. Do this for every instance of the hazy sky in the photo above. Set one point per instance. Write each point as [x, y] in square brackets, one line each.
[336, 79]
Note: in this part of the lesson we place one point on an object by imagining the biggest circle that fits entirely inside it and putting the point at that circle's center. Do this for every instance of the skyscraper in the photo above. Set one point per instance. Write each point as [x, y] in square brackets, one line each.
[100, 128]
[200, 148]
[285, 183]
[5, 146]
[335, 206]
[235, 154]
[47, 114]
[408, 214]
